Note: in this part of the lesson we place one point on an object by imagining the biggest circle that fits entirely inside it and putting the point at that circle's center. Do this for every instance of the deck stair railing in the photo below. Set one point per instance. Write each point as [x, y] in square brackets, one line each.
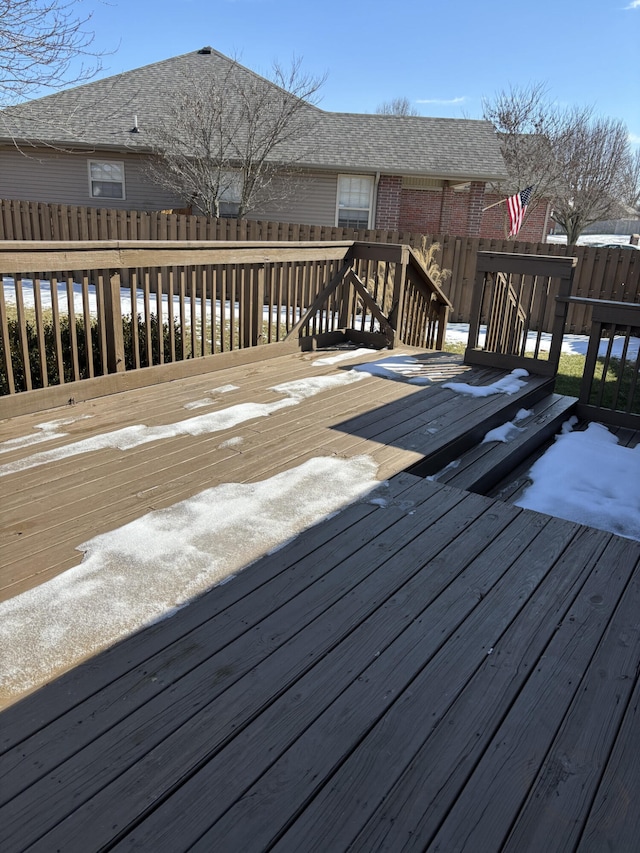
[514, 301]
[385, 296]
[507, 321]
[72, 312]
[610, 388]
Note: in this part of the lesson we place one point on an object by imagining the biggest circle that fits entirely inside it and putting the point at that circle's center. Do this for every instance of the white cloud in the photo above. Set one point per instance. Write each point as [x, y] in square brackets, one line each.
[635, 4]
[443, 100]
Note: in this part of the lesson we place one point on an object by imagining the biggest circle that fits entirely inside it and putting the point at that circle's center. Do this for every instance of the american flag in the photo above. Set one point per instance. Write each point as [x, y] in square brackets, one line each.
[517, 206]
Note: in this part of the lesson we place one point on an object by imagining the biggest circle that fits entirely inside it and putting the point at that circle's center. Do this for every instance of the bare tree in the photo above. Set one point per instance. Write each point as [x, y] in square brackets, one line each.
[631, 196]
[572, 159]
[397, 107]
[225, 138]
[592, 159]
[39, 41]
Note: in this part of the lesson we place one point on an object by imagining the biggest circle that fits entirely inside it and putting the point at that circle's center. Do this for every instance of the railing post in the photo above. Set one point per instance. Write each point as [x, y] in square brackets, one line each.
[113, 322]
[399, 289]
[258, 305]
[346, 296]
[444, 312]
[560, 316]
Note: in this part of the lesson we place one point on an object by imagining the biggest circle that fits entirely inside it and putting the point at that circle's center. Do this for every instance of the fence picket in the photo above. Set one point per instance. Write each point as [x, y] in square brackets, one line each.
[601, 273]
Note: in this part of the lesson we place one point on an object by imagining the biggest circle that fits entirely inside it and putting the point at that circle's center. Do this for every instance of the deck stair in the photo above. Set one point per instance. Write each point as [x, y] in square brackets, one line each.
[487, 463]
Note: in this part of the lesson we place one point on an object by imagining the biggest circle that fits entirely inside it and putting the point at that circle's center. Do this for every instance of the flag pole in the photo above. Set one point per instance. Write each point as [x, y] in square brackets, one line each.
[495, 204]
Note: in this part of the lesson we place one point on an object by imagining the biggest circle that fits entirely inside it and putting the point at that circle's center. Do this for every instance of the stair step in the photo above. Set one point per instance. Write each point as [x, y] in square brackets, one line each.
[486, 464]
[462, 437]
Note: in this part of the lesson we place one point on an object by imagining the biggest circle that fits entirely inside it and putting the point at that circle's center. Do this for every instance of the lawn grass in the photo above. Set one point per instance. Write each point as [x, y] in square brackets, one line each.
[570, 370]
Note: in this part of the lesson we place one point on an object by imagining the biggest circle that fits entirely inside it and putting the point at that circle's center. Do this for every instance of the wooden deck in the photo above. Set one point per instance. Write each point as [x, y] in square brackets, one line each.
[436, 670]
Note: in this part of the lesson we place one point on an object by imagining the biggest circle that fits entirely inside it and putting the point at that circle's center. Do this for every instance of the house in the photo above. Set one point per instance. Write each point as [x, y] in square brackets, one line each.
[88, 146]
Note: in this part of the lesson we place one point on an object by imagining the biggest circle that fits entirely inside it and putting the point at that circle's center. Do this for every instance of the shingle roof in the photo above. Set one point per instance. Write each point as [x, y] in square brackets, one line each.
[101, 115]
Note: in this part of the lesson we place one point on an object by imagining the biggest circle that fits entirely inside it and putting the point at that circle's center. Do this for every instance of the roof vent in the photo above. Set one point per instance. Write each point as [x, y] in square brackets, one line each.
[206, 50]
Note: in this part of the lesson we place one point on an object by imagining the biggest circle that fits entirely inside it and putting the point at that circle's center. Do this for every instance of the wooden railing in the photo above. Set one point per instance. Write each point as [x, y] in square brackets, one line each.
[514, 302]
[610, 388]
[91, 311]
[517, 296]
[601, 273]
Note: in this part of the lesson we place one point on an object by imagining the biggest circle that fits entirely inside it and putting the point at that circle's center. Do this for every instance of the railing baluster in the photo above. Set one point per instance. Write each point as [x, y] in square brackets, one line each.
[290, 282]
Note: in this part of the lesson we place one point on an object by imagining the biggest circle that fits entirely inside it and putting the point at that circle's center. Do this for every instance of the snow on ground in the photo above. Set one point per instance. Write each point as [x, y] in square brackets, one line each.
[458, 333]
[509, 384]
[129, 305]
[133, 436]
[125, 298]
[147, 569]
[589, 478]
[592, 239]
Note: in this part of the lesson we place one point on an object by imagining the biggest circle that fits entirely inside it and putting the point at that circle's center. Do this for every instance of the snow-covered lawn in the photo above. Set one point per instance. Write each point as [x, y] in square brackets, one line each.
[592, 239]
[458, 333]
[128, 306]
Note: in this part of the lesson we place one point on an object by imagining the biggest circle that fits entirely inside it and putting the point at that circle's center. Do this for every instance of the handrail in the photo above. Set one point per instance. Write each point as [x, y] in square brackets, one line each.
[431, 285]
[513, 298]
[436, 307]
[587, 300]
[610, 387]
[187, 300]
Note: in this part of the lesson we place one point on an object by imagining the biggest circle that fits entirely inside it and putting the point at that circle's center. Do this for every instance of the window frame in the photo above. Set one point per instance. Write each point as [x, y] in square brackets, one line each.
[371, 180]
[119, 163]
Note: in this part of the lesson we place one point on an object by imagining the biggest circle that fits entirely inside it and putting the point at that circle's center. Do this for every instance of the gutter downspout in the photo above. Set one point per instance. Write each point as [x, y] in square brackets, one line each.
[547, 217]
[374, 211]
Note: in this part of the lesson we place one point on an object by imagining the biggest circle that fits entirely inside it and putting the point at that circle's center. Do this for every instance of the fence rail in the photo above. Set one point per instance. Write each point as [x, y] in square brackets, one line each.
[83, 310]
[600, 273]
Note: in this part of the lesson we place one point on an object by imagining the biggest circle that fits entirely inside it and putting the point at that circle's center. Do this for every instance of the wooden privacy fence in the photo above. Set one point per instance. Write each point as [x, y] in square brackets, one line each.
[612, 274]
[84, 310]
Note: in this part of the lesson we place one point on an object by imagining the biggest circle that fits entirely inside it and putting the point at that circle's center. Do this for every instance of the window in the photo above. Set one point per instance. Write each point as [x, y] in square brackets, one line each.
[355, 194]
[230, 193]
[106, 179]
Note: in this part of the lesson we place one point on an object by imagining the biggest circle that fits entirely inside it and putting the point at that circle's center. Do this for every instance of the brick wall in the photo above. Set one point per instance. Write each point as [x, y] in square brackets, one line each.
[388, 202]
[444, 211]
[458, 213]
[420, 211]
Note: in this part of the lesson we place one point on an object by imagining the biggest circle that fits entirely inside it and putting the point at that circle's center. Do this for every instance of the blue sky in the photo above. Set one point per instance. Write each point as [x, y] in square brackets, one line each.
[444, 57]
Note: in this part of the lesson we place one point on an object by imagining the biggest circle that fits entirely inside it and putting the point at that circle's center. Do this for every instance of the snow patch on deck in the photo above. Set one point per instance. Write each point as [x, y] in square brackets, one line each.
[149, 568]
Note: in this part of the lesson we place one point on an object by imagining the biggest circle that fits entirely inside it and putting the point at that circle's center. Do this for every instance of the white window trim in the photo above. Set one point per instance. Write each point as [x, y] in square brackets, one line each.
[124, 186]
[371, 191]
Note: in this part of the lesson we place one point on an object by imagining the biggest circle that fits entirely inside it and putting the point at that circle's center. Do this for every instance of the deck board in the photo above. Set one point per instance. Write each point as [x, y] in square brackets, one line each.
[435, 670]
[51, 509]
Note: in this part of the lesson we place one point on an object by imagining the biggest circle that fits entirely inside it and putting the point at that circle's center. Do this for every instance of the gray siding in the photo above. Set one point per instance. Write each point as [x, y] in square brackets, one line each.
[305, 199]
[62, 178]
